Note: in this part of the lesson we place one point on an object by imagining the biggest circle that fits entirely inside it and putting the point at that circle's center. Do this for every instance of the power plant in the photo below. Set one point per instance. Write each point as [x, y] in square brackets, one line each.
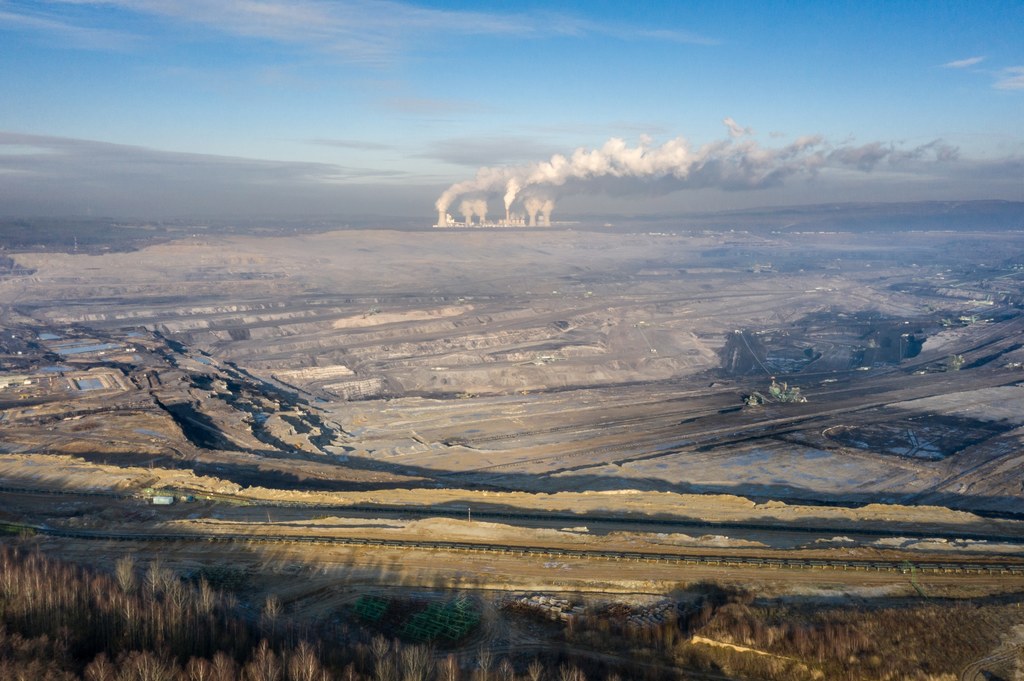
[736, 163]
[537, 213]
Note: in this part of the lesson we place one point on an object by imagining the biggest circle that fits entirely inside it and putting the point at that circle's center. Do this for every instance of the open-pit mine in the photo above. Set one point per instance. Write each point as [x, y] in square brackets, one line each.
[569, 419]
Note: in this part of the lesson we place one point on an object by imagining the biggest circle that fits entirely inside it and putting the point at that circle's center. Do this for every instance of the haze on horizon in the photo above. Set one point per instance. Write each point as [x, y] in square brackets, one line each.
[154, 108]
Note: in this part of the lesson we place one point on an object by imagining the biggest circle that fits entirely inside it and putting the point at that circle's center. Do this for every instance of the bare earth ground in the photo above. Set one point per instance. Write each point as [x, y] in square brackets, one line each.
[572, 389]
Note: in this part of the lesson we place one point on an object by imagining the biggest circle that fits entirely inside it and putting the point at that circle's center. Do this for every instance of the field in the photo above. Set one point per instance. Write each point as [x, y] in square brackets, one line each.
[556, 424]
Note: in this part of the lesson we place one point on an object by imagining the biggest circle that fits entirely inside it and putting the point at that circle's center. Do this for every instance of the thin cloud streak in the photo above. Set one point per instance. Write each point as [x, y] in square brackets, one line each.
[350, 144]
[374, 31]
[963, 63]
[90, 161]
[81, 37]
[1011, 78]
[45, 175]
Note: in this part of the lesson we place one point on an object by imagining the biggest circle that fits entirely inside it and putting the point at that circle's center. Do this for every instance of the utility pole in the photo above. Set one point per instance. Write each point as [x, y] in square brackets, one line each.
[469, 514]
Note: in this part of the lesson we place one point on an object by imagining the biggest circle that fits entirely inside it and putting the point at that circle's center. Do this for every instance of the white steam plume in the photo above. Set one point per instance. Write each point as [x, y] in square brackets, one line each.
[735, 163]
[467, 211]
[471, 208]
[545, 212]
[480, 210]
[512, 188]
[533, 205]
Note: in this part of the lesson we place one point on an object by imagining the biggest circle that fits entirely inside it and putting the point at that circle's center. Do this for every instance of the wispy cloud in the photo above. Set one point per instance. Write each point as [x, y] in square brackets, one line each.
[350, 144]
[86, 161]
[869, 156]
[44, 175]
[735, 129]
[71, 35]
[1011, 78]
[428, 105]
[374, 31]
[963, 63]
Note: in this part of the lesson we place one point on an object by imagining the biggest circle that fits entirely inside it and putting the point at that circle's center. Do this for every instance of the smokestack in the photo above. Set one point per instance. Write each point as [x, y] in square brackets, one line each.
[533, 205]
[545, 212]
[442, 219]
[466, 208]
[480, 210]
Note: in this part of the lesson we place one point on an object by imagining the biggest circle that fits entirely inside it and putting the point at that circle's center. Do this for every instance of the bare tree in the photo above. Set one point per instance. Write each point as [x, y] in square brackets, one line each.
[448, 669]
[416, 662]
[484, 661]
[145, 666]
[570, 673]
[207, 597]
[152, 577]
[224, 668]
[536, 670]
[303, 664]
[506, 672]
[158, 578]
[177, 594]
[100, 669]
[384, 668]
[271, 613]
[124, 572]
[264, 665]
[199, 669]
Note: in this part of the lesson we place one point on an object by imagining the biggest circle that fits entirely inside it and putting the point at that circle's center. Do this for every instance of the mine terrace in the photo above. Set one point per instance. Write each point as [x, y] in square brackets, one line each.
[528, 411]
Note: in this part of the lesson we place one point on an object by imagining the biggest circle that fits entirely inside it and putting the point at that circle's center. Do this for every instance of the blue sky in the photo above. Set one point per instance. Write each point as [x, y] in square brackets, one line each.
[231, 107]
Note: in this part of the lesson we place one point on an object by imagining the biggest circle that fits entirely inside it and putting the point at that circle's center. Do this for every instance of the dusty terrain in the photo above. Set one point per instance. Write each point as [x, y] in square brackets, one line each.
[567, 390]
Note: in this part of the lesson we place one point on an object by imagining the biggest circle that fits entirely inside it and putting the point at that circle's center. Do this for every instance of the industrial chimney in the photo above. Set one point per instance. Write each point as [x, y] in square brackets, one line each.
[545, 213]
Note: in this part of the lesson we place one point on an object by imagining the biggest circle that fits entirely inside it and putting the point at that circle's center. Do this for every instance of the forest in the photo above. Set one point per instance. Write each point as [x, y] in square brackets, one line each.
[64, 622]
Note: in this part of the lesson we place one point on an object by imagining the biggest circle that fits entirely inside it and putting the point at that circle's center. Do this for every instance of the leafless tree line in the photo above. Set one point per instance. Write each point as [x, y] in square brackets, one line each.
[919, 641]
[61, 622]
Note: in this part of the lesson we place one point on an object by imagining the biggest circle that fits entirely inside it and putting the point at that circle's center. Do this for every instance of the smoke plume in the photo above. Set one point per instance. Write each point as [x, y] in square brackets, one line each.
[736, 163]
[471, 208]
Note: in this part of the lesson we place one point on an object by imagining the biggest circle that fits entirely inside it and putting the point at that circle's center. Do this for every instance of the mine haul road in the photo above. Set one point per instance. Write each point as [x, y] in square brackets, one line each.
[251, 510]
[982, 567]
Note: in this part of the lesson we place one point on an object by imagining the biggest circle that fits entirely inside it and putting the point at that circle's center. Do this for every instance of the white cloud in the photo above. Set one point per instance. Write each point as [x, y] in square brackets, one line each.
[735, 129]
[963, 63]
[1011, 78]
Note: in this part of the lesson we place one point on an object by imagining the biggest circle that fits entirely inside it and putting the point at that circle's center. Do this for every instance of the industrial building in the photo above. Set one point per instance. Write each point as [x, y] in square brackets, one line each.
[536, 213]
